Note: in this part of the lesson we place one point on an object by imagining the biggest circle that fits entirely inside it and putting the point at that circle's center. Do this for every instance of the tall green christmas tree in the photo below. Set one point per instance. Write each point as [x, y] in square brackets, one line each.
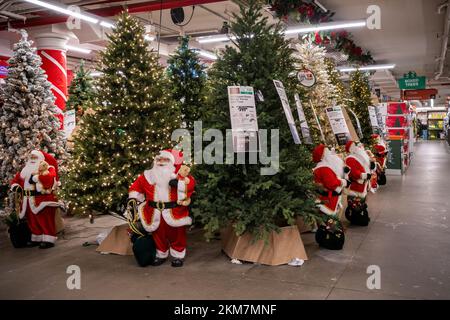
[134, 116]
[80, 91]
[238, 193]
[188, 79]
[360, 101]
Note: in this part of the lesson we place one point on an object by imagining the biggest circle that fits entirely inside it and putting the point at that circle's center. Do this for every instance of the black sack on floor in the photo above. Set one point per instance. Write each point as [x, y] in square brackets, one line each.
[381, 179]
[144, 249]
[20, 234]
[358, 216]
[330, 240]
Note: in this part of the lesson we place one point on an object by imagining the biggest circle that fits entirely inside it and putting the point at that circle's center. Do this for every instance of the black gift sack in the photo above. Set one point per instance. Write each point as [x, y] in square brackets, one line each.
[358, 216]
[144, 249]
[20, 234]
[381, 179]
[330, 240]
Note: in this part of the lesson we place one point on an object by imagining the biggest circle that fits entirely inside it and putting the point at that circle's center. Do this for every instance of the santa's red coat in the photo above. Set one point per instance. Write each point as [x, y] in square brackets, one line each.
[143, 188]
[37, 203]
[328, 180]
[358, 177]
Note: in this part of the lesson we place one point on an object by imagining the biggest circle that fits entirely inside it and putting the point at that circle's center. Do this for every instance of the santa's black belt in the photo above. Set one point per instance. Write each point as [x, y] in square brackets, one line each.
[325, 193]
[31, 193]
[162, 205]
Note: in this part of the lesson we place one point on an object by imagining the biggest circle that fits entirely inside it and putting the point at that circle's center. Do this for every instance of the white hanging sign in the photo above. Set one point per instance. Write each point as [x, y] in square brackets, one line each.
[303, 123]
[287, 110]
[338, 124]
[69, 122]
[244, 120]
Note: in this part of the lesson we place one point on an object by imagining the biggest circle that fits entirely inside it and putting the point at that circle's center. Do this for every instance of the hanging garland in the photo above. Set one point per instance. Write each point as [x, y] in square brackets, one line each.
[303, 12]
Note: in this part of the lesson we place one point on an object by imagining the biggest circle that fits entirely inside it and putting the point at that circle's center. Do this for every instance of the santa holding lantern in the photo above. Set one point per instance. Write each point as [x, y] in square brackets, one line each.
[329, 176]
[35, 185]
[162, 196]
[380, 152]
[361, 166]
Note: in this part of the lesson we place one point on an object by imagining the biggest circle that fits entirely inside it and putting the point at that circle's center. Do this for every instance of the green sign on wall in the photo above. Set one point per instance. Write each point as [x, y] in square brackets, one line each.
[410, 80]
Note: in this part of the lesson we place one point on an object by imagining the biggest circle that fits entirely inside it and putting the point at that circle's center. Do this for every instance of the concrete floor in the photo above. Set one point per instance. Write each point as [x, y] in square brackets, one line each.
[408, 239]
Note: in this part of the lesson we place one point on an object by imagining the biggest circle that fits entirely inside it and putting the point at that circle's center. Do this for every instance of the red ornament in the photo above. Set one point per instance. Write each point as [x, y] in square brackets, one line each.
[317, 39]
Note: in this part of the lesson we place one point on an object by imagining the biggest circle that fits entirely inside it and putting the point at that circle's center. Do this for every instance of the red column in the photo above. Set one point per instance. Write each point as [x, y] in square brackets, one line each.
[52, 50]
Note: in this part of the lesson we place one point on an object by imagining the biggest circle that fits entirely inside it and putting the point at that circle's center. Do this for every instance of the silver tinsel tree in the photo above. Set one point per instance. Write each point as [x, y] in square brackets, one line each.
[27, 117]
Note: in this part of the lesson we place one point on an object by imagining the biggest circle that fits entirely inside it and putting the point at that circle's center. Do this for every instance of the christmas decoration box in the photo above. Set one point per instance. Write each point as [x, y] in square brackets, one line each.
[281, 248]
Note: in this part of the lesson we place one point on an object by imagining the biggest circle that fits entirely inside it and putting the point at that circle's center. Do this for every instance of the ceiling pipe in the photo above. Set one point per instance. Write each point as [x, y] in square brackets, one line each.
[444, 39]
[112, 11]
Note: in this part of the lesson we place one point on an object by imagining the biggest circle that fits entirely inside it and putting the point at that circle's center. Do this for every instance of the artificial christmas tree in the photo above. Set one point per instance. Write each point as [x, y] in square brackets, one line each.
[359, 103]
[80, 91]
[188, 79]
[321, 95]
[238, 193]
[133, 120]
[27, 117]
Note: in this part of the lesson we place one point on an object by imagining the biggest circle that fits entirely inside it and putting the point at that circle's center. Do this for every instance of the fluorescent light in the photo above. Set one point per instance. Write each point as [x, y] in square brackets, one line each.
[78, 49]
[372, 67]
[432, 103]
[327, 26]
[211, 39]
[207, 54]
[149, 37]
[107, 24]
[96, 74]
[63, 10]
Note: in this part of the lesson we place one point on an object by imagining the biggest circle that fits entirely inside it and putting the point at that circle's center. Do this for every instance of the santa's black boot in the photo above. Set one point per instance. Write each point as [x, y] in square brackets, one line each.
[46, 245]
[158, 261]
[176, 263]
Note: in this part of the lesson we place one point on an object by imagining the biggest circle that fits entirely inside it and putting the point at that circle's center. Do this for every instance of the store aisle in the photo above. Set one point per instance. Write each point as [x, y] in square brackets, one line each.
[409, 235]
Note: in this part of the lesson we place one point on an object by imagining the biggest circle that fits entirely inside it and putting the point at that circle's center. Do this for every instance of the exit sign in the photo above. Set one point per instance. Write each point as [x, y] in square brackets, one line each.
[411, 81]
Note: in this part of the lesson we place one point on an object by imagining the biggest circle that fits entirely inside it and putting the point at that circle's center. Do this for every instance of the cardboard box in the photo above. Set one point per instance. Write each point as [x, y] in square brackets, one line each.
[117, 242]
[281, 247]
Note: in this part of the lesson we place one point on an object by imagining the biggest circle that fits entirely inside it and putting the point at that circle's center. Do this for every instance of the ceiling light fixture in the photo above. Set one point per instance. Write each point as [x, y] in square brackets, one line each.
[107, 24]
[149, 37]
[78, 49]
[219, 38]
[64, 10]
[207, 54]
[326, 26]
[366, 68]
[96, 74]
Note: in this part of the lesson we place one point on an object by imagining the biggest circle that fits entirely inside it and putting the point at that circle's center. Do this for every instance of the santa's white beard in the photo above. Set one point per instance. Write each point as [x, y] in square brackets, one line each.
[30, 167]
[161, 175]
[335, 163]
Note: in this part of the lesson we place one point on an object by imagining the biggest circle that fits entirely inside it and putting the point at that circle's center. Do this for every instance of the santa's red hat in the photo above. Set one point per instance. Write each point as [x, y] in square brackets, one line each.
[168, 155]
[178, 155]
[349, 145]
[318, 152]
[44, 156]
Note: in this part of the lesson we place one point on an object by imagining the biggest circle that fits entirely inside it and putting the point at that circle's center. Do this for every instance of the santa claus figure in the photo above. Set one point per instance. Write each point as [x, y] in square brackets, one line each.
[380, 153]
[329, 176]
[164, 193]
[359, 163]
[37, 182]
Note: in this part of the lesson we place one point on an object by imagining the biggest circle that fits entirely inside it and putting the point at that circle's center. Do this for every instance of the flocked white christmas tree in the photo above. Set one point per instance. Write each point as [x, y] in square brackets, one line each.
[27, 118]
[322, 94]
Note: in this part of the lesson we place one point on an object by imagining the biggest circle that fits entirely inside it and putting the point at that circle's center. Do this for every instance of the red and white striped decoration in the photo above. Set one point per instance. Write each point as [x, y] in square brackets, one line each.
[54, 65]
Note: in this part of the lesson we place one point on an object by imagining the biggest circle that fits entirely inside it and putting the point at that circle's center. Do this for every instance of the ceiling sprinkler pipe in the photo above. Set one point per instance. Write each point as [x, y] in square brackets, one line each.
[444, 39]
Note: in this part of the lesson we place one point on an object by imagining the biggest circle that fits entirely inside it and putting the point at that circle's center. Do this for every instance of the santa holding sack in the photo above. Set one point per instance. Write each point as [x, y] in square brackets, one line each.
[163, 196]
[380, 152]
[36, 184]
[359, 163]
[329, 176]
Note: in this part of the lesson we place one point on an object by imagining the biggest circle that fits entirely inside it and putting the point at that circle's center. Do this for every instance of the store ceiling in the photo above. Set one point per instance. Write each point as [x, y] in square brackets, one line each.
[409, 35]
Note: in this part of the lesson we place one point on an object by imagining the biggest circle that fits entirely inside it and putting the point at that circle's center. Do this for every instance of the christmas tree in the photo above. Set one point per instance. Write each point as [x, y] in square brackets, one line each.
[27, 116]
[321, 95]
[188, 79]
[340, 94]
[238, 193]
[360, 101]
[80, 91]
[133, 119]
